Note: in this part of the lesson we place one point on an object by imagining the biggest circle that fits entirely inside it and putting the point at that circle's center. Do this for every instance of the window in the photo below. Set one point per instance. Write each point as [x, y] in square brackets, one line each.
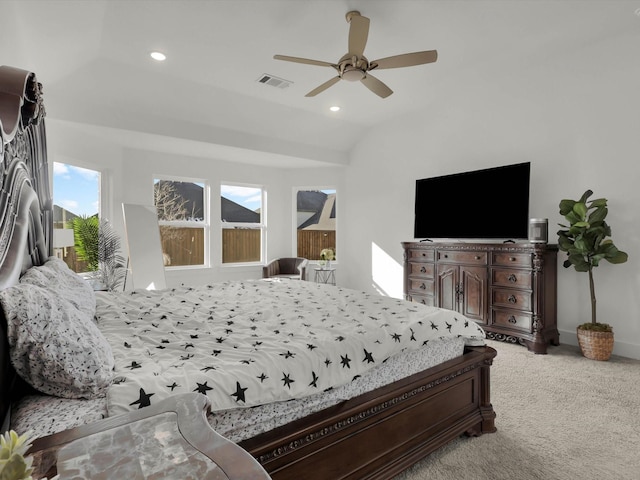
[183, 219]
[243, 226]
[76, 201]
[315, 222]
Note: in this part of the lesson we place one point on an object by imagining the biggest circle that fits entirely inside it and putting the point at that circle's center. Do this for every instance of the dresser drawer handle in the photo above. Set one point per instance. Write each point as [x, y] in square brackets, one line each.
[512, 299]
[445, 255]
[423, 286]
[422, 269]
[512, 278]
[512, 319]
[424, 254]
[512, 259]
[478, 257]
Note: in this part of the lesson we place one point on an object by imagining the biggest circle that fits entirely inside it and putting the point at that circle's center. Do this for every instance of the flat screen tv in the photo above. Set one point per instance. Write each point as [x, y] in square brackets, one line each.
[492, 203]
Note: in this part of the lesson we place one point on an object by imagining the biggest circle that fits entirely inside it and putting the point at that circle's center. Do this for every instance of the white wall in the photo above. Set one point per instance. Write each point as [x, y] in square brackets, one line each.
[576, 121]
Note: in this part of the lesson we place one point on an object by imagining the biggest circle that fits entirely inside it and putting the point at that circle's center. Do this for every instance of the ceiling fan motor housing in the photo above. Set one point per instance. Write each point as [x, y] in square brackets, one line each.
[352, 68]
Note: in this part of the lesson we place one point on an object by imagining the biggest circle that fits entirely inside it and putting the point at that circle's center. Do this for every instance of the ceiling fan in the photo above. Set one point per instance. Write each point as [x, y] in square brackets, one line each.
[354, 66]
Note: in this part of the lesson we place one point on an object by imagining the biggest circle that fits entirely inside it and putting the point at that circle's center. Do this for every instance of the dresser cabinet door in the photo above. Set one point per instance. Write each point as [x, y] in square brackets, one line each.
[473, 293]
[448, 286]
[463, 289]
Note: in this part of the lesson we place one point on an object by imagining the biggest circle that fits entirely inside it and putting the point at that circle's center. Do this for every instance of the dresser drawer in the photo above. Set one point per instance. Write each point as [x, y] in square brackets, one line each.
[424, 299]
[511, 319]
[505, 277]
[511, 259]
[502, 297]
[468, 258]
[418, 255]
[421, 286]
[421, 270]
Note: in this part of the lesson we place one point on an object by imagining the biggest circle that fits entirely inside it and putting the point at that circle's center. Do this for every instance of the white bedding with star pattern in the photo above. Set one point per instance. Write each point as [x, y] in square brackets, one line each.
[247, 343]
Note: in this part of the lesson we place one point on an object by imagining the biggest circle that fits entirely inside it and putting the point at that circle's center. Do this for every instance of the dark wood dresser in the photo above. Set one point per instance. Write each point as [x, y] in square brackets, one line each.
[508, 288]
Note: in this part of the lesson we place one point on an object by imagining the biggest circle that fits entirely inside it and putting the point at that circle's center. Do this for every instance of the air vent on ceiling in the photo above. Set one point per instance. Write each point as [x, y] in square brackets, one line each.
[274, 81]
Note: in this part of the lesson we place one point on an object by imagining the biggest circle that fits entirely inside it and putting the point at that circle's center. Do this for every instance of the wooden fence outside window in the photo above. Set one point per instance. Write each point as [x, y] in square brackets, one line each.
[311, 242]
[185, 246]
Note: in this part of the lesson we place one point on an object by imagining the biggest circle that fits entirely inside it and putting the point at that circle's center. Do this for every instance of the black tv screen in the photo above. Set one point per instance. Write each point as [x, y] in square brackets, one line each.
[483, 204]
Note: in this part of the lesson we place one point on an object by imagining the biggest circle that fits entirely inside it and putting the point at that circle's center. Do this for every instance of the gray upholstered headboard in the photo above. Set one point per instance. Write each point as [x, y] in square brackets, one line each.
[26, 222]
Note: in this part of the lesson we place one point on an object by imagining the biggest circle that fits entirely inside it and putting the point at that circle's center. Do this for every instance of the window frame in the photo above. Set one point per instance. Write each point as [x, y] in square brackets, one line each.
[262, 226]
[205, 224]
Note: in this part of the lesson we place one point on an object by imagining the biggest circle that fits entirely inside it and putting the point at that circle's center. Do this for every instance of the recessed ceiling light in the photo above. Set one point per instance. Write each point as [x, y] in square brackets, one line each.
[335, 108]
[159, 56]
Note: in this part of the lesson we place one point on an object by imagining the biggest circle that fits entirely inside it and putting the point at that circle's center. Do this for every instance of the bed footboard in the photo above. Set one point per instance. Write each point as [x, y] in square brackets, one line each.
[381, 433]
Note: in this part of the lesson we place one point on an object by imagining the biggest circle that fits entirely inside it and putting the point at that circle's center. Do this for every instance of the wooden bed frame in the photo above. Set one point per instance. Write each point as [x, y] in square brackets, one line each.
[373, 436]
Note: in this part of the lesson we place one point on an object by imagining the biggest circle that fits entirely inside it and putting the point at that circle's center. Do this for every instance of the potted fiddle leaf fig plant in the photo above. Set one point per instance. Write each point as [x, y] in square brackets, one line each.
[586, 239]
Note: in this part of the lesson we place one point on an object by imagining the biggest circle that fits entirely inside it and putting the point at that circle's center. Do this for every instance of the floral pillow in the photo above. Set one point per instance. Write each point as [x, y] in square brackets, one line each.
[53, 345]
[56, 276]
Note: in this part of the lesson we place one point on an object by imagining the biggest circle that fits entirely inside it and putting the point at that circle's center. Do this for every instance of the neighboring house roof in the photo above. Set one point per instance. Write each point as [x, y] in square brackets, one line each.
[316, 210]
[61, 216]
[192, 193]
[234, 212]
[326, 218]
[311, 202]
[230, 210]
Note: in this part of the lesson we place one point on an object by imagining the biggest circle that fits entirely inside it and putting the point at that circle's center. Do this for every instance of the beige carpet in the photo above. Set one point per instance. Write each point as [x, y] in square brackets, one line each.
[559, 417]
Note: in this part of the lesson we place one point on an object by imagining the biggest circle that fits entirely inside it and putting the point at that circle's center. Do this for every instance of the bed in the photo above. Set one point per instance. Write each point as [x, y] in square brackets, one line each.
[363, 410]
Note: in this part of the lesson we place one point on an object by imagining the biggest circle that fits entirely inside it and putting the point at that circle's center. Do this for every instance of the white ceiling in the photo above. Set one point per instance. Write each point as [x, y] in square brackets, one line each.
[93, 58]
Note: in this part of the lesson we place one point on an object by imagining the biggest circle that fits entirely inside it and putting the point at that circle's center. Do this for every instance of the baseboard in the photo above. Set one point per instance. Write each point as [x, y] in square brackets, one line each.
[620, 348]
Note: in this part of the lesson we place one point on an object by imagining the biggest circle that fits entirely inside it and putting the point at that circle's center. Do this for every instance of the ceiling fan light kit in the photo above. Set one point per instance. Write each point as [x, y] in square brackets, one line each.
[354, 66]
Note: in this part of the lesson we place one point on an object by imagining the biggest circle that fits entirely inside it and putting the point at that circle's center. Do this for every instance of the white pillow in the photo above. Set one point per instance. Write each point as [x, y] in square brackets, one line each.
[55, 275]
[53, 345]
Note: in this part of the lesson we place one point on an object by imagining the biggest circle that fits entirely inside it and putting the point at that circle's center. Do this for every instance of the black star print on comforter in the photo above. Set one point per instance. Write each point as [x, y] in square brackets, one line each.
[253, 342]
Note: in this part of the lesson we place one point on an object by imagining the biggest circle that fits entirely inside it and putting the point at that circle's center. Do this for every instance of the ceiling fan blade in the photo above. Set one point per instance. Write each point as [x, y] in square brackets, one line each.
[304, 60]
[322, 87]
[376, 86]
[358, 33]
[405, 60]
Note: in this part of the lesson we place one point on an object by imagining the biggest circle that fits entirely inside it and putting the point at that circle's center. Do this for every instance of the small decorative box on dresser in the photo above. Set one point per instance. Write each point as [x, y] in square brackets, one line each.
[509, 288]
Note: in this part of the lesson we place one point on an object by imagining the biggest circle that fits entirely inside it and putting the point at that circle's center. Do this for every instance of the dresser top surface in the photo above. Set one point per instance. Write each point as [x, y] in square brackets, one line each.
[487, 246]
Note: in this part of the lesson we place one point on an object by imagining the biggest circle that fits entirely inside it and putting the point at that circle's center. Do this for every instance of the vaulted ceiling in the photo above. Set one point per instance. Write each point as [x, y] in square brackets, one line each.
[93, 59]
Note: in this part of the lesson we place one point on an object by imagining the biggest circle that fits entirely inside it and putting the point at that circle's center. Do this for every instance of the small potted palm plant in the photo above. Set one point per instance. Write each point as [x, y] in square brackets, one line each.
[98, 244]
[586, 241]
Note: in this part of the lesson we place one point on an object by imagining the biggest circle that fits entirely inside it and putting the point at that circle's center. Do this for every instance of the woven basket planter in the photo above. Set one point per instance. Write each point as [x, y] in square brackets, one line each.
[595, 345]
